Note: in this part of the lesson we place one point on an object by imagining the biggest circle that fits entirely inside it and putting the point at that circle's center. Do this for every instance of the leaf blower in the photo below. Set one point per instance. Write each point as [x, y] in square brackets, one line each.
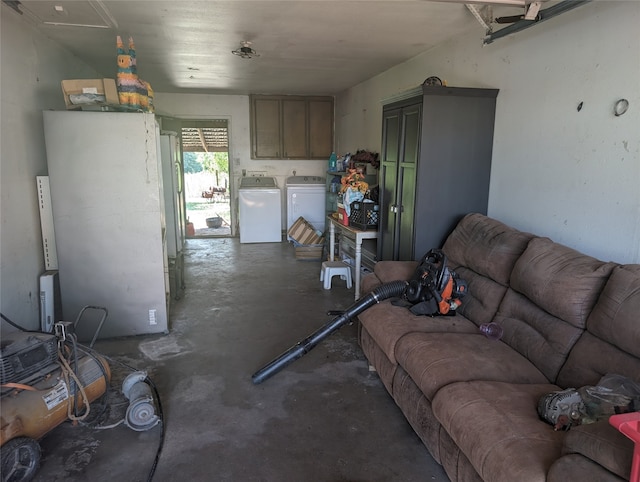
[434, 287]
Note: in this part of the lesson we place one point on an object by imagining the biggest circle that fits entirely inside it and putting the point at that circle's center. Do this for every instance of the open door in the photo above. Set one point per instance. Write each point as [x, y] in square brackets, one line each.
[204, 156]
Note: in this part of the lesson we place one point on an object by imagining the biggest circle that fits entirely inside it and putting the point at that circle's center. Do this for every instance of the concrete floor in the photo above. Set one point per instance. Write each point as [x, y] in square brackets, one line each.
[323, 418]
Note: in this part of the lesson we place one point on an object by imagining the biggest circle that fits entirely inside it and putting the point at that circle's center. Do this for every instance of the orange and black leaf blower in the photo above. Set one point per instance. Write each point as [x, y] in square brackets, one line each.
[434, 288]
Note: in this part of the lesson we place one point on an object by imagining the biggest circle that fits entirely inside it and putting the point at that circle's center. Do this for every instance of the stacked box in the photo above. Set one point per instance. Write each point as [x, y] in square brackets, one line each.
[309, 252]
[308, 242]
[303, 232]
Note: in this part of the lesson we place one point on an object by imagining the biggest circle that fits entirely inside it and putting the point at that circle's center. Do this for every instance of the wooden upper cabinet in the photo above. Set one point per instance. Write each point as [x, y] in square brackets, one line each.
[294, 128]
[291, 127]
[265, 128]
[320, 128]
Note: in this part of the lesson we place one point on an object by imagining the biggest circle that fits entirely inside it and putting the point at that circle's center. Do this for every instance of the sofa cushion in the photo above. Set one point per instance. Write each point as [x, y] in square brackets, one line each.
[496, 426]
[591, 359]
[387, 323]
[539, 336]
[611, 343]
[576, 467]
[603, 444]
[560, 280]
[616, 317]
[435, 360]
[486, 246]
[483, 296]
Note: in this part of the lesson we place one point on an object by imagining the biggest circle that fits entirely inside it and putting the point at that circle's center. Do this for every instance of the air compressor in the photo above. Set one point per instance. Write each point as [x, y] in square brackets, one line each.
[47, 379]
[43, 384]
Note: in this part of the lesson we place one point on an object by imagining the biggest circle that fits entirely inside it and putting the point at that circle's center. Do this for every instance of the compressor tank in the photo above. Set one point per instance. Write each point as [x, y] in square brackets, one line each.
[33, 413]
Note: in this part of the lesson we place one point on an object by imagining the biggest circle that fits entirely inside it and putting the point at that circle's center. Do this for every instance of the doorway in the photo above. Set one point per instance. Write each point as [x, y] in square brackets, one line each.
[205, 160]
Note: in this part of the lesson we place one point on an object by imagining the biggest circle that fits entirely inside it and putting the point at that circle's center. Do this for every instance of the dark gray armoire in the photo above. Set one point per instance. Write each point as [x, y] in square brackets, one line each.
[435, 167]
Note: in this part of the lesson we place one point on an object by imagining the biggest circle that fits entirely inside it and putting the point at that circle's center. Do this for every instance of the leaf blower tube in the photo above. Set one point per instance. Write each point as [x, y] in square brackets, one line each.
[388, 290]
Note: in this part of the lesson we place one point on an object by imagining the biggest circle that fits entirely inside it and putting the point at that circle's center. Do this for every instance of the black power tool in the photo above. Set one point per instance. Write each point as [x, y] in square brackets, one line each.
[433, 287]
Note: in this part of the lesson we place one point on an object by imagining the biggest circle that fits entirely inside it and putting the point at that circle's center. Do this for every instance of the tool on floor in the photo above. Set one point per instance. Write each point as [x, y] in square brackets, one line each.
[47, 379]
[434, 288]
[141, 415]
[395, 288]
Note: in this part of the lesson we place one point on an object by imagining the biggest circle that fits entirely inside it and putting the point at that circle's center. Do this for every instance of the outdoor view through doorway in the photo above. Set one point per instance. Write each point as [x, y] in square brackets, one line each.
[205, 157]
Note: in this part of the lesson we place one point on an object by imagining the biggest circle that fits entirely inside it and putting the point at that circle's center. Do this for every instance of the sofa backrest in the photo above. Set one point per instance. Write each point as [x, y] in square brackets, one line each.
[483, 252]
[611, 342]
[553, 289]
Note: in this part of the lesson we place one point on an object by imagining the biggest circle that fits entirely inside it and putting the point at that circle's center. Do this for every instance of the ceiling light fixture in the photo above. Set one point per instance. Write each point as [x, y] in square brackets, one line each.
[245, 51]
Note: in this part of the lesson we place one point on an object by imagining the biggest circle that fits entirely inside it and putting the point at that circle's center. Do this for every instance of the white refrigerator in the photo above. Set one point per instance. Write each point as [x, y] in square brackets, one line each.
[175, 209]
[107, 200]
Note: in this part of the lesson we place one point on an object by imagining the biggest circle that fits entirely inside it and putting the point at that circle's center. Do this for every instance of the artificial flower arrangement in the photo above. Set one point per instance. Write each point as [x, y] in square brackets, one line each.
[354, 181]
[367, 157]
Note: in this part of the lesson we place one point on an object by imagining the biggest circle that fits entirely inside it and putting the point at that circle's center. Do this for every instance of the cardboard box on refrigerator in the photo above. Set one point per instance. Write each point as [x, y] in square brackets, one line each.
[100, 87]
[303, 232]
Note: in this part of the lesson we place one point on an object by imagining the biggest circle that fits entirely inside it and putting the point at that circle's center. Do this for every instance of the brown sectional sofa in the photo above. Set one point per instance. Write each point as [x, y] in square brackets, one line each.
[568, 319]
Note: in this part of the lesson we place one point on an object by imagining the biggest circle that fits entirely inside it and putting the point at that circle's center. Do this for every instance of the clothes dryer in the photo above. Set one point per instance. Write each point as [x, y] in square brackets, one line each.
[260, 210]
[306, 197]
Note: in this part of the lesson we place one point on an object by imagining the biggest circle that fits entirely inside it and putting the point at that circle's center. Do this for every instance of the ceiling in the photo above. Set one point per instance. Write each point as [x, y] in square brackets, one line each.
[204, 139]
[305, 47]
[205, 136]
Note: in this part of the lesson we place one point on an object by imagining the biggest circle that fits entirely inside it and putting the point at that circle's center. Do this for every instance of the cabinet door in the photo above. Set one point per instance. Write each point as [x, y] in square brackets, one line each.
[320, 128]
[391, 130]
[455, 161]
[294, 128]
[266, 128]
[407, 172]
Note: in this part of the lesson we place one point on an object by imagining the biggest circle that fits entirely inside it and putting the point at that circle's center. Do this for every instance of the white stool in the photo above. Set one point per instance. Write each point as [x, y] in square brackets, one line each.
[335, 268]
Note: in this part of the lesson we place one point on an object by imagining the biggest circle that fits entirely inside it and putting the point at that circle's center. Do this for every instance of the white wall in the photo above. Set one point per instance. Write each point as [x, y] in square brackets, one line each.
[573, 176]
[235, 108]
[32, 68]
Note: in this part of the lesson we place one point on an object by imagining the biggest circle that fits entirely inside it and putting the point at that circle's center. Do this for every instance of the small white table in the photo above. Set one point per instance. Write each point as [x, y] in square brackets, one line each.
[352, 233]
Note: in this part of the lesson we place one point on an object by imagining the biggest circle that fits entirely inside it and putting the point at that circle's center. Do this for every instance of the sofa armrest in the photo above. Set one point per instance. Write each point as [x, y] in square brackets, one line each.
[386, 272]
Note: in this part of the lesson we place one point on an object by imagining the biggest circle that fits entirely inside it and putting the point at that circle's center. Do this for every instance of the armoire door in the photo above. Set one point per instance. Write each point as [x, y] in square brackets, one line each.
[391, 131]
[400, 154]
[407, 173]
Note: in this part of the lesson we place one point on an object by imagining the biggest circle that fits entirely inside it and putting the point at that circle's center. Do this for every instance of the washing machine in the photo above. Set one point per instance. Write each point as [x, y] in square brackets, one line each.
[306, 197]
[260, 210]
